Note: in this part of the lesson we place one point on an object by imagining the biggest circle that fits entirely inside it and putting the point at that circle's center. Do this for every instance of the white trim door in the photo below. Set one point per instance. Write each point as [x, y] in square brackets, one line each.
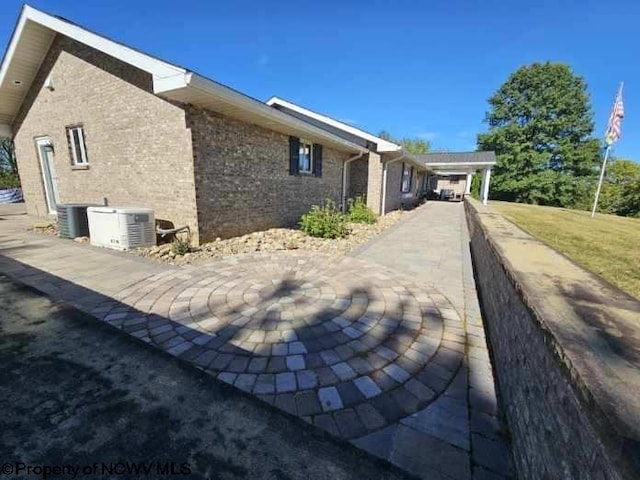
[47, 166]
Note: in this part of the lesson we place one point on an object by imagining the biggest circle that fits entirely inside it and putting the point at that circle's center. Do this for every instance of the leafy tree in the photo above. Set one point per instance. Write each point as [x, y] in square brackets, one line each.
[630, 199]
[412, 145]
[8, 162]
[8, 165]
[620, 189]
[540, 126]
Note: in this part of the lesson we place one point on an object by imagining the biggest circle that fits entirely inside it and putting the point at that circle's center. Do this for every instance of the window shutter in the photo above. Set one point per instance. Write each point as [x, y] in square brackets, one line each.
[317, 159]
[294, 155]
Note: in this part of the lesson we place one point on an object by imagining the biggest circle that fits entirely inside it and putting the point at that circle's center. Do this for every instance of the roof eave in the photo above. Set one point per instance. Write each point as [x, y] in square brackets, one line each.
[180, 87]
[383, 145]
[403, 155]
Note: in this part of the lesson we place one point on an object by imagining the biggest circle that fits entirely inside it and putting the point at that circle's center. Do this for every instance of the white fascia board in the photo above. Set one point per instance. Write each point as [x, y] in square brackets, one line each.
[5, 131]
[174, 82]
[383, 145]
[262, 110]
[155, 67]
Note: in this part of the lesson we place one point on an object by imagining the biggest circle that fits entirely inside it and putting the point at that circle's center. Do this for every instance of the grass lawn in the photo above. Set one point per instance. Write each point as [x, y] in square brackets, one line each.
[607, 245]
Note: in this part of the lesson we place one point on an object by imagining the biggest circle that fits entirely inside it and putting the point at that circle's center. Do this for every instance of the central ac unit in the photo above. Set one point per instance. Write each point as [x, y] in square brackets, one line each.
[121, 228]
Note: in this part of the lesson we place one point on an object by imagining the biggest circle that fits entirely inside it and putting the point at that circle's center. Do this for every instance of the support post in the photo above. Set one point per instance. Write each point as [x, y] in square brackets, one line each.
[467, 189]
[484, 189]
[604, 166]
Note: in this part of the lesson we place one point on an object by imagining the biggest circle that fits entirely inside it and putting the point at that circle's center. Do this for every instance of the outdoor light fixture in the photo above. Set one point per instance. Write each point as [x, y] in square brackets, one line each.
[48, 83]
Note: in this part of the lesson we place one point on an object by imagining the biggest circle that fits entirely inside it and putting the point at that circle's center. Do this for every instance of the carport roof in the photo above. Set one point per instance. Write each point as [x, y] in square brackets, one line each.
[459, 159]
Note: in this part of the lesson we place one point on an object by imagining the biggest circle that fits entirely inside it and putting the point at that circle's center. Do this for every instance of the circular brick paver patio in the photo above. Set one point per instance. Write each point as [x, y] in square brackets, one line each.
[344, 344]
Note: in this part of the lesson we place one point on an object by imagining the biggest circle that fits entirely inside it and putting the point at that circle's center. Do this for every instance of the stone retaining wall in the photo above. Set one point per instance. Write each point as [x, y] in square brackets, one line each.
[562, 390]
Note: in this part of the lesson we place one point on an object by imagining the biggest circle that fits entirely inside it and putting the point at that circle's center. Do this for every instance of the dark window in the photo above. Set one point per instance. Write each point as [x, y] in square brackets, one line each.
[407, 177]
[304, 157]
[77, 147]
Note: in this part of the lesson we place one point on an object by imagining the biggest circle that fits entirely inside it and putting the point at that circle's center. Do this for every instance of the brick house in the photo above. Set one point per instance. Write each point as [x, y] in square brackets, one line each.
[94, 120]
[386, 175]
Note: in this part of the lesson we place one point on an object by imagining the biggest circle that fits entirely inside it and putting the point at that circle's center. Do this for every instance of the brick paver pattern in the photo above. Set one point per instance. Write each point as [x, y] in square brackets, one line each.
[347, 345]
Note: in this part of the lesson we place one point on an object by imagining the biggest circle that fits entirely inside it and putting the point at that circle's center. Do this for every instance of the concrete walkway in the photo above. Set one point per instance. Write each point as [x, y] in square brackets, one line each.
[366, 348]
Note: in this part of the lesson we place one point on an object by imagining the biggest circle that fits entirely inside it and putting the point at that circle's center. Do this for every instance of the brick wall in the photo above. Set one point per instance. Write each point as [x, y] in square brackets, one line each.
[457, 183]
[242, 177]
[395, 199]
[138, 146]
[357, 178]
[374, 181]
[393, 195]
[556, 433]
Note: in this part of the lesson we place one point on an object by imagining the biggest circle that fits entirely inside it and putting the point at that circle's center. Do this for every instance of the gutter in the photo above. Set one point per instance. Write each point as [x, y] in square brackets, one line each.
[385, 168]
[344, 179]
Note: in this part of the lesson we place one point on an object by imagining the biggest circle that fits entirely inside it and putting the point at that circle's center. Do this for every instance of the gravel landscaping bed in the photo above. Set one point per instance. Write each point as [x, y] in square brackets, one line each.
[273, 240]
[47, 228]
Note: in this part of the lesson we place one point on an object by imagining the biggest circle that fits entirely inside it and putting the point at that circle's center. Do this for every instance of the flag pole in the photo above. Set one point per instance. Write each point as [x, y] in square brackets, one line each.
[604, 165]
[609, 141]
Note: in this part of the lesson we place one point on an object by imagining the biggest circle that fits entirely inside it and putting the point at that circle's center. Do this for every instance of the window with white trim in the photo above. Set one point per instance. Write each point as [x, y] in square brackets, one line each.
[305, 157]
[407, 176]
[77, 147]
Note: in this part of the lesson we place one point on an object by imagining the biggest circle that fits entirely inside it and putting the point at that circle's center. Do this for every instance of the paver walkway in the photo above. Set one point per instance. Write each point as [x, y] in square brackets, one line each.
[461, 427]
[367, 348]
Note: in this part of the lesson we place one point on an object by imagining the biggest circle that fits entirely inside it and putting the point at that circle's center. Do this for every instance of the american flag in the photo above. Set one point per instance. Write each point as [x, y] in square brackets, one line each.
[617, 113]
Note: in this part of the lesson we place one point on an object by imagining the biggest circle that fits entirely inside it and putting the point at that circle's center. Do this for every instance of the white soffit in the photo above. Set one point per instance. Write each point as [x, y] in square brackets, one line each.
[383, 145]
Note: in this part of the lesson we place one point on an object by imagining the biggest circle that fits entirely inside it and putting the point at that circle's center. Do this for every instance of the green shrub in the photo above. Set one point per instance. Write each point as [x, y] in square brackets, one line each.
[181, 244]
[359, 212]
[9, 180]
[324, 222]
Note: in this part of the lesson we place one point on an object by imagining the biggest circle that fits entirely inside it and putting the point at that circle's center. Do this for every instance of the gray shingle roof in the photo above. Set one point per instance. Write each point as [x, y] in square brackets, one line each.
[460, 157]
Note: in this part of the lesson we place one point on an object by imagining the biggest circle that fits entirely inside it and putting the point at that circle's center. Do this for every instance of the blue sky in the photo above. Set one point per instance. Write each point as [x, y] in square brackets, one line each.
[414, 68]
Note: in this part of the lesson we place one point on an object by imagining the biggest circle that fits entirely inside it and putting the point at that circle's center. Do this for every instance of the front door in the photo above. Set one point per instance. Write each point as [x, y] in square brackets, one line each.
[47, 165]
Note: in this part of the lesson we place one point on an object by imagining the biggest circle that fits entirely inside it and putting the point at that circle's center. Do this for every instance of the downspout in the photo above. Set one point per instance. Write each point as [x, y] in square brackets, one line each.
[383, 208]
[344, 179]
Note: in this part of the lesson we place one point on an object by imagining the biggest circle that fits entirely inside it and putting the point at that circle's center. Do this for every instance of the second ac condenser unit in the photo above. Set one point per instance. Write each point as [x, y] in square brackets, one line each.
[121, 228]
[72, 219]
